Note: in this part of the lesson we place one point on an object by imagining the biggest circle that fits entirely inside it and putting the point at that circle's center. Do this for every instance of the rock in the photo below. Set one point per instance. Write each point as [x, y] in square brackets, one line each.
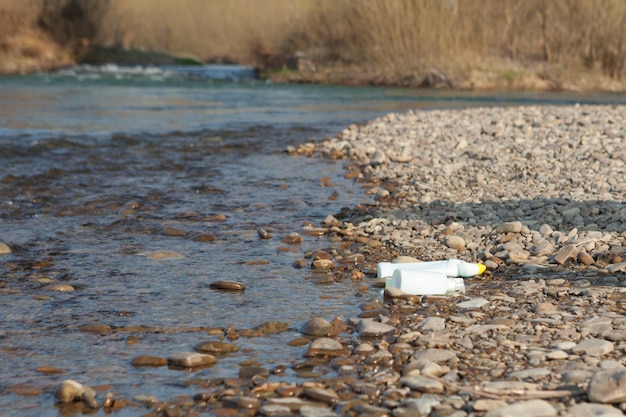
[456, 242]
[164, 255]
[248, 372]
[422, 384]
[204, 237]
[95, 328]
[317, 327]
[371, 328]
[216, 348]
[227, 286]
[327, 396]
[433, 323]
[531, 408]
[71, 391]
[146, 360]
[594, 410]
[191, 360]
[326, 347]
[566, 253]
[59, 287]
[472, 304]
[510, 227]
[292, 239]
[487, 405]
[4, 249]
[608, 386]
[593, 347]
[264, 234]
[436, 355]
[272, 327]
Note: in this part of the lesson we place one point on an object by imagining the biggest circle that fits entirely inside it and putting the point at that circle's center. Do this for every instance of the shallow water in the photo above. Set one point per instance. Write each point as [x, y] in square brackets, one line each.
[97, 163]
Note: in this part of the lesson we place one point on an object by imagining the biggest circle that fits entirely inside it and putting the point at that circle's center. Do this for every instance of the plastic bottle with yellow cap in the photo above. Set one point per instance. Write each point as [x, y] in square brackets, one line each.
[451, 268]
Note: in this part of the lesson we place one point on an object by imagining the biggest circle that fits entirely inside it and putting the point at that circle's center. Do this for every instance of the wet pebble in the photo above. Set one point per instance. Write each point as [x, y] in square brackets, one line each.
[227, 286]
[191, 360]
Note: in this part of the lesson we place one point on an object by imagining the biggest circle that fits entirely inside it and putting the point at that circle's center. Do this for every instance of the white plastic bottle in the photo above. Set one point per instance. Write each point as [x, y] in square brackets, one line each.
[450, 267]
[425, 282]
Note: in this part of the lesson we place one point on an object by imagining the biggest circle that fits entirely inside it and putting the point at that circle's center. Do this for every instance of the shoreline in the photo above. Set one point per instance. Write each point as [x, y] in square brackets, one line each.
[525, 340]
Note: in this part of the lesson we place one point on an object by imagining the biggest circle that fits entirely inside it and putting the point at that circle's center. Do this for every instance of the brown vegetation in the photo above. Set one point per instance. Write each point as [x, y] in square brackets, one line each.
[513, 44]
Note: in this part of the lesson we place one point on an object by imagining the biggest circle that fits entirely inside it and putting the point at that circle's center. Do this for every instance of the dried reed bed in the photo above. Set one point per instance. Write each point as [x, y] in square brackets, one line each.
[557, 39]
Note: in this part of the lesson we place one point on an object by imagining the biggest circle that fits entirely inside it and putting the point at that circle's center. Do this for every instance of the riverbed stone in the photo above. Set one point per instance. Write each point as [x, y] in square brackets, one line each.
[530, 408]
[325, 346]
[191, 360]
[216, 347]
[372, 328]
[4, 249]
[593, 347]
[608, 386]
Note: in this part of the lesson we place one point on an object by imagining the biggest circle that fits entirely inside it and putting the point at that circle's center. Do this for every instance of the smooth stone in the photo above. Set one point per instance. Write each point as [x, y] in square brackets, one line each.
[372, 328]
[532, 373]
[294, 404]
[310, 411]
[95, 328]
[216, 347]
[472, 304]
[163, 255]
[557, 355]
[436, 355]
[456, 242]
[424, 384]
[227, 286]
[172, 231]
[292, 239]
[433, 323]
[272, 327]
[608, 386]
[530, 408]
[191, 360]
[274, 410]
[593, 347]
[616, 267]
[204, 237]
[510, 227]
[576, 376]
[317, 326]
[59, 287]
[251, 371]
[264, 234]
[567, 345]
[327, 396]
[71, 391]
[424, 405]
[4, 249]
[594, 410]
[488, 405]
[425, 368]
[146, 360]
[325, 346]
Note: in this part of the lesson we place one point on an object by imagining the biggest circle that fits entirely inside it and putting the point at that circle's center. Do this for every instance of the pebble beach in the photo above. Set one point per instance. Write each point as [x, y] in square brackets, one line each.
[537, 194]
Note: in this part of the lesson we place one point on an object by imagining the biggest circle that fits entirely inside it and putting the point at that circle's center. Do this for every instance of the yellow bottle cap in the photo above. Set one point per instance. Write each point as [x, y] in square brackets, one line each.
[481, 268]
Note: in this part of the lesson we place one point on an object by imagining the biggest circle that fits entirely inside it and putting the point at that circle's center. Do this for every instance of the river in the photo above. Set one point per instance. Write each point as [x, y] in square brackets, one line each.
[101, 166]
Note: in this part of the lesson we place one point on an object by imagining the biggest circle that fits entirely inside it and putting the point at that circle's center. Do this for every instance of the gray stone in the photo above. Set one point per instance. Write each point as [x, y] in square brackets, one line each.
[372, 328]
[317, 326]
[436, 355]
[422, 384]
[566, 253]
[531, 408]
[472, 304]
[433, 323]
[593, 347]
[594, 410]
[608, 386]
[510, 227]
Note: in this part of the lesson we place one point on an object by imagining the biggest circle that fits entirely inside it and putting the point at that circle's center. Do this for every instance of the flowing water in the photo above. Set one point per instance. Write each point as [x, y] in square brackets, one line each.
[101, 166]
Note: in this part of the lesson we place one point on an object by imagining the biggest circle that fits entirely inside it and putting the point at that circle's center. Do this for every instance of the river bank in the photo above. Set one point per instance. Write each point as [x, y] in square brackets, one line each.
[536, 194]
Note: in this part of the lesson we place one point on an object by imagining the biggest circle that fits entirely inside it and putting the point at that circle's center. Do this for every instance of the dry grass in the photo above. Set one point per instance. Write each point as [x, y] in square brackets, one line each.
[503, 42]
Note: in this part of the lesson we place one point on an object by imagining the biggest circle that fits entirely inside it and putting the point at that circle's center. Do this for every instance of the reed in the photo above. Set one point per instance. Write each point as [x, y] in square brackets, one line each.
[399, 38]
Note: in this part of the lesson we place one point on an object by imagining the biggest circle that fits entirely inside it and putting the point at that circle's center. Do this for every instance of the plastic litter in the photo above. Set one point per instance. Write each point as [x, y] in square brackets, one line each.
[451, 268]
[425, 282]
